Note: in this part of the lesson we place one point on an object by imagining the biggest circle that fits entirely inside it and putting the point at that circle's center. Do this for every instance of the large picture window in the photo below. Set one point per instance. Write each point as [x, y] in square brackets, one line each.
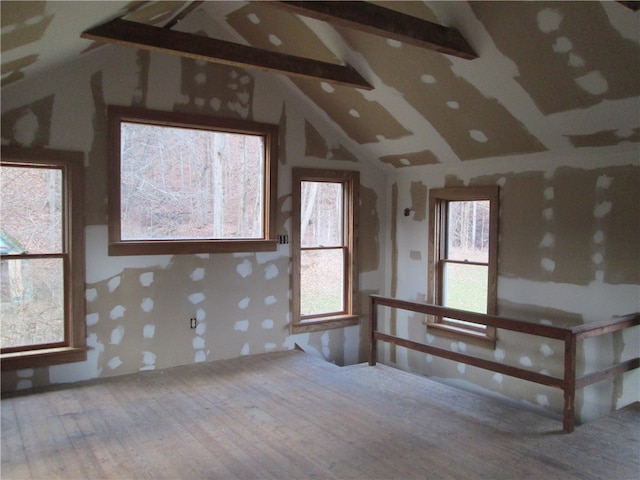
[184, 183]
[463, 246]
[42, 257]
[324, 282]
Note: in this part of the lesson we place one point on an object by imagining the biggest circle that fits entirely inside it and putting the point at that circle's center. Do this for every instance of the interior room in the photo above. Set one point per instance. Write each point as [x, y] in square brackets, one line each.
[210, 208]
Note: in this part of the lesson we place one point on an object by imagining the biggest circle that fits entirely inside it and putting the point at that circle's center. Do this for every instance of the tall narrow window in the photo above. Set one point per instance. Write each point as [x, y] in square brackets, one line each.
[463, 256]
[324, 280]
[184, 183]
[42, 257]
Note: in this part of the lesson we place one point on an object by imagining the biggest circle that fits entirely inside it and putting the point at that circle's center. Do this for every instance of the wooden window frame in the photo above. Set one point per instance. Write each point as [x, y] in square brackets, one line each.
[73, 348]
[438, 200]
[269, 132]
[349, 316]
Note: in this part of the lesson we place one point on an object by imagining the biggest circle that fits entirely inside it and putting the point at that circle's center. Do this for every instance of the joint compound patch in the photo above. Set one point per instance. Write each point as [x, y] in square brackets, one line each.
[271, 271]
[244, 269]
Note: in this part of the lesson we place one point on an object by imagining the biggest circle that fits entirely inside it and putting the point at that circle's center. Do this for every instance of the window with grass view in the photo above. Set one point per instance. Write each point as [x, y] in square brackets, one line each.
[463, 254]
[188, 184]
[324, 244]
[40, 269]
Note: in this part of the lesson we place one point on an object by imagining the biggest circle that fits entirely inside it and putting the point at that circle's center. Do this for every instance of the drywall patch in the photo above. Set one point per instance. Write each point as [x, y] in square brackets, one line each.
[148, 360]
[197, 274]
[241, 325]
[319, 147]
[117, 312]
[244, 269]
[149, 331]
[605, 138]
[96, 169]
[143, 59]
[113, 283]
[528, 33]
[415, 255]
[593, 83]
[12, 71]
[90, 294]
[147, 305]
[484, 117]
[30, 125]
[284, 212]
[153, 12]
[92, 319]
[419, 200]
[282, 136]
[369, 231]
[28, 22]
[146, 279]
[399, 160]
[523, 226]
[271, 271]
[207, 87]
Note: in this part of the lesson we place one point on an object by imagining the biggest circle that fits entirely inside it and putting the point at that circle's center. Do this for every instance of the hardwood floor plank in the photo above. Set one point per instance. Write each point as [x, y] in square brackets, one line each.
[14, 460]
[290, 415]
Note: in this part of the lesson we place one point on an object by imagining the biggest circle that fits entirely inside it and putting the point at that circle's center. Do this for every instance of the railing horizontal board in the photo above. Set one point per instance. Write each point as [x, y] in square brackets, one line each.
[609, 372]
[609, 325]
[474, 361]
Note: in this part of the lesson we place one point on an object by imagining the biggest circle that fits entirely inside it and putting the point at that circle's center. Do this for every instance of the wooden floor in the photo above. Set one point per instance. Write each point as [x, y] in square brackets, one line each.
[292, 416]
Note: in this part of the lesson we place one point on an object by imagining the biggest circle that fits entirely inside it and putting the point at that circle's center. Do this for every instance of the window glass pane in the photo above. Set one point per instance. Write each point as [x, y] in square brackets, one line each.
[31, 210]
[321, 219]
[468, 231]
[32, 301]
[321, 281]
[465, 287]
[182, 184]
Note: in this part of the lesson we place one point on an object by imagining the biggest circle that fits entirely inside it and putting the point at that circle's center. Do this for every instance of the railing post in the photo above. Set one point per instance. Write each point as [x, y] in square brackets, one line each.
[569, 414]
[373, 327]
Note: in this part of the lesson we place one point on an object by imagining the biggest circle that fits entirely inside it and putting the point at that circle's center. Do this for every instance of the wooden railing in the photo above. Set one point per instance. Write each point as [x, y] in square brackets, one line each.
[569, 335]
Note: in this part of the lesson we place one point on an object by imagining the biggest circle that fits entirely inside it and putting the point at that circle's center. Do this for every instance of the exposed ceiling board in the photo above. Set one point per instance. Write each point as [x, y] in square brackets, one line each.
[197, 47]
[563, 59]
[363, 120]
[473, 125]
[387, 23]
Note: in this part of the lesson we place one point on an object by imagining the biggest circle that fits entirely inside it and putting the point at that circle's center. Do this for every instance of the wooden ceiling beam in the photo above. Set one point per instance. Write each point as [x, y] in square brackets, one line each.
[376, 20]
[156, 39]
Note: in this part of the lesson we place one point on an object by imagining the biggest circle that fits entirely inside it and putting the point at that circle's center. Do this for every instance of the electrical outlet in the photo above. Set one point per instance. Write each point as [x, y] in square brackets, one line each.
[192, 322]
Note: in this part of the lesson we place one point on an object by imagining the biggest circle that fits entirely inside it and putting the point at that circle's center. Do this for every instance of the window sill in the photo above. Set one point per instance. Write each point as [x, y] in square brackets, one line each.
[457, 333]
[325, 323]
[42, 358]
[178, 247]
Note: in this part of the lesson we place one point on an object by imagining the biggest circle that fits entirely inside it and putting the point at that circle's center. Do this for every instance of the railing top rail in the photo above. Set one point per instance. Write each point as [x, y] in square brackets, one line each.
[608, 325]
[549, 331]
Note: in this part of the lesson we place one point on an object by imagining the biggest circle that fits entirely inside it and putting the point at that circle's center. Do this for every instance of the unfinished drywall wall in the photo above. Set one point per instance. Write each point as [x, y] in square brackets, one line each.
[568, 254]
[138, 308]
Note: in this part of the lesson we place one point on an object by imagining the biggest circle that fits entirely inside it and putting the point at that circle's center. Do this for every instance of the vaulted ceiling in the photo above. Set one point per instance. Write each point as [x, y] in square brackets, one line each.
[549, 77]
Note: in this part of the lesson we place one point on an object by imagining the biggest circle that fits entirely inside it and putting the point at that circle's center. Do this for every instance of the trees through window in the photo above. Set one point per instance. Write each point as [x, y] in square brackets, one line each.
[463, 255]
[41, 251]
[325, 274]
[188, 184]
